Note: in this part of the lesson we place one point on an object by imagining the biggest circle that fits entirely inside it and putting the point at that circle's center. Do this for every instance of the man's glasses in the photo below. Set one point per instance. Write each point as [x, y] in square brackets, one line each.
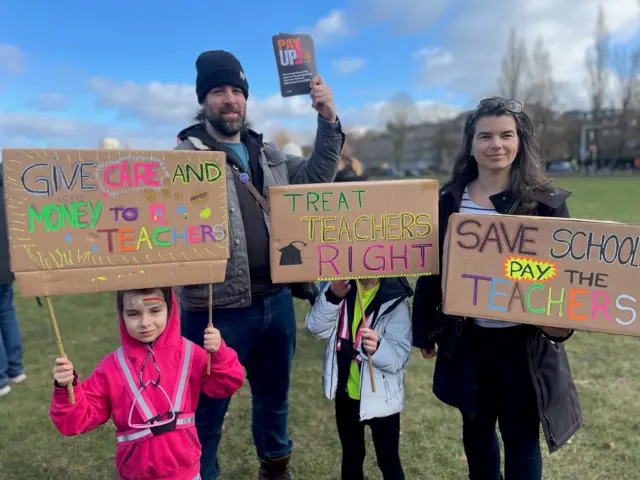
[513, 106]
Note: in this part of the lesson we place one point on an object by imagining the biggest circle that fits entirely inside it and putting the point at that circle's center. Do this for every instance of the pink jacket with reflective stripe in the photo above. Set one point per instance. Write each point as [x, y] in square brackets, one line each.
[106, 394]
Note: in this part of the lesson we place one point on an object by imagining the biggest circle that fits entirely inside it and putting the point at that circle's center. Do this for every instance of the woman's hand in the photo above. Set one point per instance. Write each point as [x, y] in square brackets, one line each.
[428, 352]
[556, 332]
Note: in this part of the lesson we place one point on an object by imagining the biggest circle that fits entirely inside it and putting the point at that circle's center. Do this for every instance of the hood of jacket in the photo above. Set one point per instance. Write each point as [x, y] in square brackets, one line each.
[158, 361]
[169, 339]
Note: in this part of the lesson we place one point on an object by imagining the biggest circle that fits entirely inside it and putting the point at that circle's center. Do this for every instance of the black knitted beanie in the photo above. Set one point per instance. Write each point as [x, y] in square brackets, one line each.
[218, 67]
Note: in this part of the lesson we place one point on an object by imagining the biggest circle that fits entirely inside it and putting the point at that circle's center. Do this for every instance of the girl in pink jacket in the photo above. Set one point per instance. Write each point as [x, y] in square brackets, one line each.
[150, 388]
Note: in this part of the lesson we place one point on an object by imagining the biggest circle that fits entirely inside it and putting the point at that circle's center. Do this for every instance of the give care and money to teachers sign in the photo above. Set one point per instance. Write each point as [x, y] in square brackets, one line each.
[557, 272]
[95, 220]
[354, 230]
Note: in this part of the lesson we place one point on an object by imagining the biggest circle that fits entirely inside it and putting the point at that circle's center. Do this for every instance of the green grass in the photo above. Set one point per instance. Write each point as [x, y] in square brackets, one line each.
[604, 367]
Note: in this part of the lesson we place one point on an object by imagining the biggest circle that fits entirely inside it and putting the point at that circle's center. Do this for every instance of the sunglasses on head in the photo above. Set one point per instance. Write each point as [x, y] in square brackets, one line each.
[513, 106]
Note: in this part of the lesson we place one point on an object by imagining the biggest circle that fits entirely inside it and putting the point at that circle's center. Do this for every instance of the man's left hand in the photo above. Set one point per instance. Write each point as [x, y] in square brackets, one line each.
[323, 99]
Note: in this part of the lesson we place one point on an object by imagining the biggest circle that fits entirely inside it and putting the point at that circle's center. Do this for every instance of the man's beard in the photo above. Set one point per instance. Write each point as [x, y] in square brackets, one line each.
[227, 127]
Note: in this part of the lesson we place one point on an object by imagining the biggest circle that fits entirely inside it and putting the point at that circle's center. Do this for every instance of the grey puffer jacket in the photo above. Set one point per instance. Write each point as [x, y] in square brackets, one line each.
[278, 169]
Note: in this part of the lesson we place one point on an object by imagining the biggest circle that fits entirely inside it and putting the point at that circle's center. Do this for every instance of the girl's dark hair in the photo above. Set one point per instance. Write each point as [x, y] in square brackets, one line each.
[166, 293]
[527, 174]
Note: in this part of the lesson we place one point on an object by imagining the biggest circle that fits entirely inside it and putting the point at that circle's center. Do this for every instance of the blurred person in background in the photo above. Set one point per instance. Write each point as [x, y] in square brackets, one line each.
[350, 169]
[11, 368]
[292, 149]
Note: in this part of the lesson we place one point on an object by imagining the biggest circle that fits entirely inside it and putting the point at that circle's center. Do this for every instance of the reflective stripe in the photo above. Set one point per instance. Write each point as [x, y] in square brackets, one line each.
[132, 386]
[147, 408]
[185, 420]
[128, 437]
[134, 436]
[344, 325]
[177, 396]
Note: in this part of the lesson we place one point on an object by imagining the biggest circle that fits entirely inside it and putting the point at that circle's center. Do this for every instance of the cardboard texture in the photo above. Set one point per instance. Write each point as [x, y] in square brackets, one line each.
[296, 62]
[354, 230]
[555, 272]
[96, 220]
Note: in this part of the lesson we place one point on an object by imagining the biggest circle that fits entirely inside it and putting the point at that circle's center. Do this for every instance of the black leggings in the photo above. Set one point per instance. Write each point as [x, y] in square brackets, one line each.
[505, 394]
[386, 438]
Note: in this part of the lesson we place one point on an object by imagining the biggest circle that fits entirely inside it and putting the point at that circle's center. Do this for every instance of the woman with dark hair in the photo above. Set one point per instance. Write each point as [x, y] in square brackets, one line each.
[516, 375]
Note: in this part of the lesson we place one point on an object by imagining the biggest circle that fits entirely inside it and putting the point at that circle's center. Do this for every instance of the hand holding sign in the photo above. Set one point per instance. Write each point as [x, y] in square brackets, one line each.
[212, 339]
[556, 332]
[340, 288]
[369, 340]
[322, 97]
[63, 371]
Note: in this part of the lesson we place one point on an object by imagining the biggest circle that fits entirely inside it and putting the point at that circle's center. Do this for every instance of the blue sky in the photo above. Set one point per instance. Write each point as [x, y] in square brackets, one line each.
[63, 49]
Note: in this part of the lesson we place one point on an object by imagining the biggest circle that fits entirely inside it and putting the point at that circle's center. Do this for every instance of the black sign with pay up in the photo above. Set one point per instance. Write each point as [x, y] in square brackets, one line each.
[296, 60]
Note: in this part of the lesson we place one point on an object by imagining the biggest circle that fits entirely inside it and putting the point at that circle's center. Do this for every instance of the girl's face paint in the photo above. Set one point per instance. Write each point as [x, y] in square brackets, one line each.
[145, 316]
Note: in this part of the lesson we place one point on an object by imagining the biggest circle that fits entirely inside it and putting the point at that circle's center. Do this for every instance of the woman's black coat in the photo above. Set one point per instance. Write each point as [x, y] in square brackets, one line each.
[454, 380]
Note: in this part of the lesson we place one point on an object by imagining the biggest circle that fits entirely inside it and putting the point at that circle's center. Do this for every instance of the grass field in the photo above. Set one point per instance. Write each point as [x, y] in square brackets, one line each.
[607, 447]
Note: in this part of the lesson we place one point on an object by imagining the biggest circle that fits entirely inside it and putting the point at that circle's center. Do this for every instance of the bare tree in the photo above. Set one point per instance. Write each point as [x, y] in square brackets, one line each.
[626, 64]
[514, 68]
[597, 80]
[541, 93]
[402, 113]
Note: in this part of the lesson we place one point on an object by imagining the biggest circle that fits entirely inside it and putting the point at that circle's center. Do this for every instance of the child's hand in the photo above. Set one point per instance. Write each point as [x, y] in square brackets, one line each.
[340, 288]
[369, 340]
[212, 339]
[63, 372]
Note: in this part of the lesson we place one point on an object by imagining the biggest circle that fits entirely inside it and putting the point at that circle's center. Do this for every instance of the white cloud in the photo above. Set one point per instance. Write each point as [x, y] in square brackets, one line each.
[164, 109]
[374, 115]
[329, 28]
[153, 102]
[11, 58]
[51, 101]
[468, 59]
[403, 16]
[345, 66]
[40, 130]
[434, 57]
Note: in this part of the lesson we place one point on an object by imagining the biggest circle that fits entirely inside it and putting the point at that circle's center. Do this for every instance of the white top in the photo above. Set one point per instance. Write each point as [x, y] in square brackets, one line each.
[467, 206]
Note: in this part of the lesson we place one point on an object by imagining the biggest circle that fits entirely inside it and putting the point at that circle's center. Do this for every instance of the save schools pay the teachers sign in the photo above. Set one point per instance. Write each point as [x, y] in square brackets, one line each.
[558, 272]
[93, 220]
[354, 230]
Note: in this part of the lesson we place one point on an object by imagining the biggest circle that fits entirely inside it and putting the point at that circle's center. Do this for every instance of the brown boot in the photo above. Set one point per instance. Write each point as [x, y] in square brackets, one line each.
[275, 469]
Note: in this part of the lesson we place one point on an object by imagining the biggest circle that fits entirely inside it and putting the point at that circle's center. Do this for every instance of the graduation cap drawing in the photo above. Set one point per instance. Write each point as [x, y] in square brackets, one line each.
[290, 254]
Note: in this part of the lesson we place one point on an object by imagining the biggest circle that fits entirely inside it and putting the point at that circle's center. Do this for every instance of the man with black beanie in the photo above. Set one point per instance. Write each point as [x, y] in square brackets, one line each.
[255, 316]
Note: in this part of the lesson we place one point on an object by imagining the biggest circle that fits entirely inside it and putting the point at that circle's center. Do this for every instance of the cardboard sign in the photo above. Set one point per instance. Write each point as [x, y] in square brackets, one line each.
[296, 60]
[556, 272]
[354, 230]
[94, 220]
